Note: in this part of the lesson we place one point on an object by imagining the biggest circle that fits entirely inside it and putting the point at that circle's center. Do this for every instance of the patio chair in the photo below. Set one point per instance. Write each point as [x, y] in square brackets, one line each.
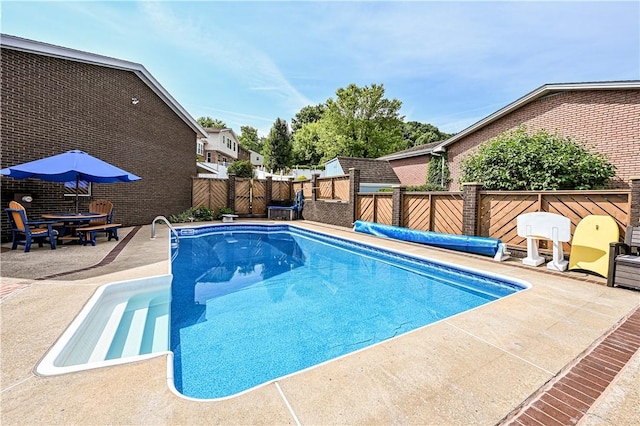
[624, 260]
[30, 230]
[101, 207]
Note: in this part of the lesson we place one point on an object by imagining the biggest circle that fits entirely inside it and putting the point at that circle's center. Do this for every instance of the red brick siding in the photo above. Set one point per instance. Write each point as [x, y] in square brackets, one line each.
[608, 121]
[52, 105]
[411, 171]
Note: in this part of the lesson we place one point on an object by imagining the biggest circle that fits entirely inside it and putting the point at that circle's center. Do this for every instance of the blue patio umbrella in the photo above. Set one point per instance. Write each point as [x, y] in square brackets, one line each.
[70, 166]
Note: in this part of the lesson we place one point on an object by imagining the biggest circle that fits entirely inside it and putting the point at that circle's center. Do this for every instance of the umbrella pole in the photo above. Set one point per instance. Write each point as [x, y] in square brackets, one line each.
[77, 183]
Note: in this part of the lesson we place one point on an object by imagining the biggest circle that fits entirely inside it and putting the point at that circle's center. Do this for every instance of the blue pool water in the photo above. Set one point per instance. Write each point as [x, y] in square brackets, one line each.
[251, 303]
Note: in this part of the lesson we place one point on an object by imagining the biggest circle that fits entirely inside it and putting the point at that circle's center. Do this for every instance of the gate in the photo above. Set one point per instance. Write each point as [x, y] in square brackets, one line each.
[250, 197]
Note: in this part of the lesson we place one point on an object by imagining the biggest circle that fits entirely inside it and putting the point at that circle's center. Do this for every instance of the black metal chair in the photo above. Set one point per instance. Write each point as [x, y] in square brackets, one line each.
[624, 260]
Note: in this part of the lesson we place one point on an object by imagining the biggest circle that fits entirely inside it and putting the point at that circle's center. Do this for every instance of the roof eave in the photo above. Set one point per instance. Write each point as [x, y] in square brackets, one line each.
[536, 94]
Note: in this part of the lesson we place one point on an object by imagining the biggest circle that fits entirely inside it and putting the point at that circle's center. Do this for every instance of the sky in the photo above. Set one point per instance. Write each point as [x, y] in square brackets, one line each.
[451, 64]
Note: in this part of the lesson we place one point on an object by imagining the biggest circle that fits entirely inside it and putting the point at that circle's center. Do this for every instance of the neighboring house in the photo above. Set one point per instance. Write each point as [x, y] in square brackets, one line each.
[257, 160]
[220, 146]
[374, 174]
[411, 164]
[55, 99]
[603, 115]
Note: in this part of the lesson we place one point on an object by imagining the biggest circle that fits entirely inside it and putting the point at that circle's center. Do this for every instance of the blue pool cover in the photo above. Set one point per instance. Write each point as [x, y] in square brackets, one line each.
[477, 245]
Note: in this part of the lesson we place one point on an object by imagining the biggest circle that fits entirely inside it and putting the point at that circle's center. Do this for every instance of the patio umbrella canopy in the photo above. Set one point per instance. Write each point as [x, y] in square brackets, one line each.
[70, 166]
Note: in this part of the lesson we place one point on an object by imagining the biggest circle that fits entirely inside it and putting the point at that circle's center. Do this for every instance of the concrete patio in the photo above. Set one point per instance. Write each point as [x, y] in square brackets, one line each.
[473, 368]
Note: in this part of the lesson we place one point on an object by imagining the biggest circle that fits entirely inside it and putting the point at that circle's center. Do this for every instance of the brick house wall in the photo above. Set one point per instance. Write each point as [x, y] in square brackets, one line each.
[607, 121]
[411, 171]
[51, 105]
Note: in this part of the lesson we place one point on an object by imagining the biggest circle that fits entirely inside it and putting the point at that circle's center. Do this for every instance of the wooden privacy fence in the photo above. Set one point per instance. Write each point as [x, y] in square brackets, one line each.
[471, 212]
[333, 188]
[210, 193]
[425, 211]
[499, 210]
[375, 207]
[438, 212]
[247, 197]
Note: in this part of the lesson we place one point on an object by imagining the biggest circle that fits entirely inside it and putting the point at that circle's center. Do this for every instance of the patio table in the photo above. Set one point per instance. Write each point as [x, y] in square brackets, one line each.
[71, 221]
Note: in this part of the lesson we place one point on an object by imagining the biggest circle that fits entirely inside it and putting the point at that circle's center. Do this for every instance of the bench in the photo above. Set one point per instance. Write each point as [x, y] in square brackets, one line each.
[228, 217]
[282, 212]
[90, 232]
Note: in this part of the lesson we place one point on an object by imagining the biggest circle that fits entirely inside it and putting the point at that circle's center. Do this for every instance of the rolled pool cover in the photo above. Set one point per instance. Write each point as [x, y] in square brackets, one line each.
[477, 245]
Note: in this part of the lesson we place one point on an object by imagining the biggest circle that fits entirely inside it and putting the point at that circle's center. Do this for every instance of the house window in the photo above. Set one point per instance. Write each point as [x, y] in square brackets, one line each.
[234, 146]
[209, 155]
[84, 189]
[200, 148]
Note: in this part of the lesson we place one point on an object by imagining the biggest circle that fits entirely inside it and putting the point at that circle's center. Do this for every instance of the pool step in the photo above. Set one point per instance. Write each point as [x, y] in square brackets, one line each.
[141, 329]
[101, 348]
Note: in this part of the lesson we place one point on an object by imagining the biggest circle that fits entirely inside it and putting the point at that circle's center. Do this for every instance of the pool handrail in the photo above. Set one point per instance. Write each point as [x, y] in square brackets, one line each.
[165, 220]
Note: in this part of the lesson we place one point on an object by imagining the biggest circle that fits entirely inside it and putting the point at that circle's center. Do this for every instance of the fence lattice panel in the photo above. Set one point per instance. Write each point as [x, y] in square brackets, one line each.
[384, 209]
[325, 189]
[447, 213]
[375, 207]
[416, 211]
[280, 190]
[243, 196]
[200, 192]
[258, 196]
[341, 188]
[210, 193]
[499, 210]
[365, 207]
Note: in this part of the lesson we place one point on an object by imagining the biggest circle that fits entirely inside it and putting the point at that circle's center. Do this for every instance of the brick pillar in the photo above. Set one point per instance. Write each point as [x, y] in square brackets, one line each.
[231, 192]
[396, 214]
[314, 186]
[634, 214]
[354, 188]
[470, 208]
[269, 186]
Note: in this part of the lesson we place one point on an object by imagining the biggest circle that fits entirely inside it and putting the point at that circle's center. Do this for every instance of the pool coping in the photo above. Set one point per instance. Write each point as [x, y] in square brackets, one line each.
[285, 389]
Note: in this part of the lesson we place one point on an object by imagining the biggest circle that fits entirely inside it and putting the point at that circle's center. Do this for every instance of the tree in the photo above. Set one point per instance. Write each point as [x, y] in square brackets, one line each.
[305, 145]
[308, 114]
[242, 169]
[360, 122]
[249, 139]
[415, 133]
[277, 147]
[210, 122]
[517, 160]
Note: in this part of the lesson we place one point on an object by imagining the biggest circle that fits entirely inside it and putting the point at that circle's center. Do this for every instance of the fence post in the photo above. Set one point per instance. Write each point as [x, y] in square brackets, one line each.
[634, 211]
[269, 188]
[354, 188]
[396, 214]
[470, 207]
[314, 186]
[231, 192]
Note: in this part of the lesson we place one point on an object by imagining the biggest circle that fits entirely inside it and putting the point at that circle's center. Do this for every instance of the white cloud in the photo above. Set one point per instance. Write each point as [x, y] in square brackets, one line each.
[223, 51]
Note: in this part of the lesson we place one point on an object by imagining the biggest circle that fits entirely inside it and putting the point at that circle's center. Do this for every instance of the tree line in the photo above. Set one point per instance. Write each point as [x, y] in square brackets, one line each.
[358, 122]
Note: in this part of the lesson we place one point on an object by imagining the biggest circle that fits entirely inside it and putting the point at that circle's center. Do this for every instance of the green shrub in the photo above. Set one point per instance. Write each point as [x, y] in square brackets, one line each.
[242, 169]
[199, 214]
[427, 187]
[517, 160]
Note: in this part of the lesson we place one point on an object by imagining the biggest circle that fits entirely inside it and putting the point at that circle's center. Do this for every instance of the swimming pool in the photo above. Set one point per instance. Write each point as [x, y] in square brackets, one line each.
[253, 303]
